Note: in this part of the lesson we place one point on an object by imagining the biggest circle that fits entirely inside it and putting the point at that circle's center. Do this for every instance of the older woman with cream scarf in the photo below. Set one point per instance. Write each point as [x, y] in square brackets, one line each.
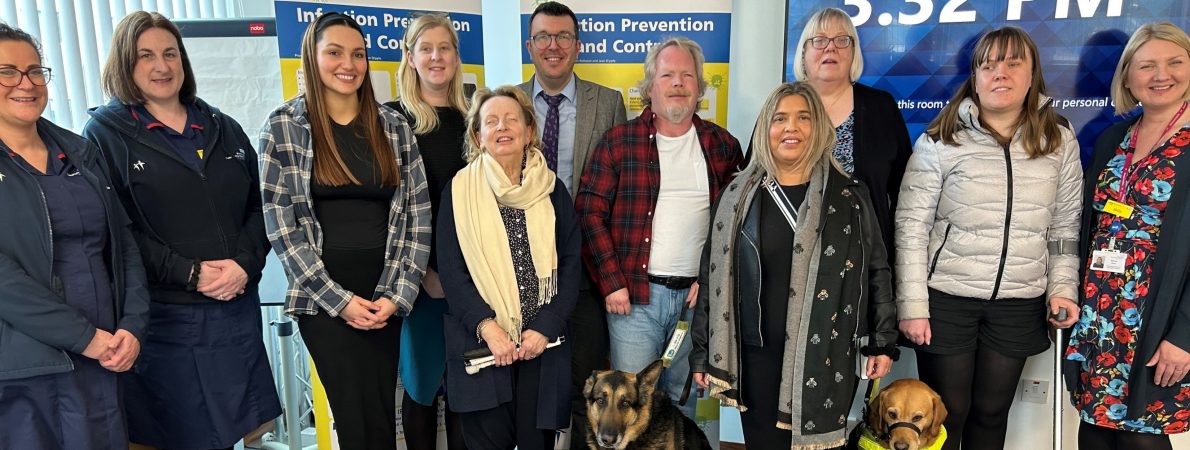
[509, 260]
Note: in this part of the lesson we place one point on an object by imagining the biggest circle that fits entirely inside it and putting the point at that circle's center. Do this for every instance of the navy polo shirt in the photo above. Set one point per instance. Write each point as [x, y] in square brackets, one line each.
[79, 228]
[189, 144]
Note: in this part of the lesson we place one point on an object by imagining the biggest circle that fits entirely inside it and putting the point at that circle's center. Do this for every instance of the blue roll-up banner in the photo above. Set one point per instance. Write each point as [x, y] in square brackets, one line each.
[920, 50]
[616, 35]
[383, 23]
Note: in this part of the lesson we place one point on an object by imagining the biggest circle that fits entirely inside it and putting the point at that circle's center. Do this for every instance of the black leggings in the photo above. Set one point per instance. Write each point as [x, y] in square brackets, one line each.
[420, 424]
[977, 389]
[1094, 437]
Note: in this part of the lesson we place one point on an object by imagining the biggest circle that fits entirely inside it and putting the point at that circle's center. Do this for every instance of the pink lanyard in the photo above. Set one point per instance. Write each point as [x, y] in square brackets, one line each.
[1126, 171]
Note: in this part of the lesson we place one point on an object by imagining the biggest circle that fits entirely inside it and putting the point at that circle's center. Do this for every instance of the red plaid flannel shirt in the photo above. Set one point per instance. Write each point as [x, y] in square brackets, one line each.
[618, 194]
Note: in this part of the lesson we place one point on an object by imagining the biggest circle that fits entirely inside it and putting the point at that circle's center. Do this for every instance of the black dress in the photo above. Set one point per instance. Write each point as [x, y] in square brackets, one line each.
[358, 368]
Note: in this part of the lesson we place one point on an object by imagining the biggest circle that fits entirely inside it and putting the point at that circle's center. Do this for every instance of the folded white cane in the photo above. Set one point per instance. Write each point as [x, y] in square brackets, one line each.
[482, 357]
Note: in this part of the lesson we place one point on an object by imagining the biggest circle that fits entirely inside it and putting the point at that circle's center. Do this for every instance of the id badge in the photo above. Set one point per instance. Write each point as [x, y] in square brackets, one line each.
[1108, 261]
[1117, 209]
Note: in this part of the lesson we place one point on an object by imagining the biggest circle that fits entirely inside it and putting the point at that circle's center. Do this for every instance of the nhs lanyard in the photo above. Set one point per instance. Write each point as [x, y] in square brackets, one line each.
[1127, 172]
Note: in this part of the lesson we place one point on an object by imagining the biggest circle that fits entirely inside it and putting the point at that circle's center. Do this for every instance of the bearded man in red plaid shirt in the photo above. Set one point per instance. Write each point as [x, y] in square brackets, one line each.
[645, 204]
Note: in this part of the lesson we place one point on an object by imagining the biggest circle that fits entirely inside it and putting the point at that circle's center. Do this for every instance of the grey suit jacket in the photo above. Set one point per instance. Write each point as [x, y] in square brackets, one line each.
[598, 109]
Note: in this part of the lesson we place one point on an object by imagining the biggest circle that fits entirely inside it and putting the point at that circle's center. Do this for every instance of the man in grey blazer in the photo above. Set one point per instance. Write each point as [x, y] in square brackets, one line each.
[581, 112]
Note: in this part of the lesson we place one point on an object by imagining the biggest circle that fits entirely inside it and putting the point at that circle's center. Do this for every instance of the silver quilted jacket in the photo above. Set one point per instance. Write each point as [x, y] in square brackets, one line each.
[983, 220]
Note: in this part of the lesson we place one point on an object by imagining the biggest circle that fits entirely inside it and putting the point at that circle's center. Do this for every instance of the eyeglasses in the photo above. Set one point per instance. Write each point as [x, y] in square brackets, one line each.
[820, 42]
[11, 77]
[542, 40]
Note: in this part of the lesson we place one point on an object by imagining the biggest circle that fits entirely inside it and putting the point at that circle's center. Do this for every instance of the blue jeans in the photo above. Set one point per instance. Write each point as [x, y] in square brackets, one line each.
[638, 339]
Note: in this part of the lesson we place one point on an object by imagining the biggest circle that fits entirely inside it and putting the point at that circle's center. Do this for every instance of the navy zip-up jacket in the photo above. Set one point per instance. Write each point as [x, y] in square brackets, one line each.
[182, 216]
[37, 327]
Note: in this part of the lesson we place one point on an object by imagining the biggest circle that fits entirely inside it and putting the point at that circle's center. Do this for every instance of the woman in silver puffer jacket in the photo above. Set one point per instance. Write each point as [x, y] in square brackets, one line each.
[986, 237]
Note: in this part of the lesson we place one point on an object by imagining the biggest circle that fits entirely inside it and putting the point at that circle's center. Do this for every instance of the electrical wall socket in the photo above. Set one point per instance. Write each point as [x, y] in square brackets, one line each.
[1035, 391]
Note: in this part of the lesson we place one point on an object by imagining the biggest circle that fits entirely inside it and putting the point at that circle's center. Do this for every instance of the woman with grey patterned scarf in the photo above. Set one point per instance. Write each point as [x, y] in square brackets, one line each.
[796, 279]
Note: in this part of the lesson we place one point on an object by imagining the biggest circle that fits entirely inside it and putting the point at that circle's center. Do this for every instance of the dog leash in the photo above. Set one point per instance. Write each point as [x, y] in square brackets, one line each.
[873, 388]
[671, 350]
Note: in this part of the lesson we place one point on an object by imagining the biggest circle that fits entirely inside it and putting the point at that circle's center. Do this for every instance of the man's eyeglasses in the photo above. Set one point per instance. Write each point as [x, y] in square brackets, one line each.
[542, 40]
[11, 77]
[820, 42]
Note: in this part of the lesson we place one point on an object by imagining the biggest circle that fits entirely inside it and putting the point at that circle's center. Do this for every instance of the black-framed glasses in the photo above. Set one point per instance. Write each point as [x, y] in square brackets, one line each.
[563, 39]
[11, 76]
[820, 42]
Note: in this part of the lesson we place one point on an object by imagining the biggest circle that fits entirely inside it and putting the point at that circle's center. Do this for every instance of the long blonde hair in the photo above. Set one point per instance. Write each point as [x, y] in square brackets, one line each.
[424, 117]
[1040, 133]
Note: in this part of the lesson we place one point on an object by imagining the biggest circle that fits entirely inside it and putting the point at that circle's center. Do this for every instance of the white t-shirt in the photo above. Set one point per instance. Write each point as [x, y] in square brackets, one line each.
[682, 216]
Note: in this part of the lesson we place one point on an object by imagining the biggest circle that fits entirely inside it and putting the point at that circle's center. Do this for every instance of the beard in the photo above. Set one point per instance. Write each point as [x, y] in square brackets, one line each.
[676, 113]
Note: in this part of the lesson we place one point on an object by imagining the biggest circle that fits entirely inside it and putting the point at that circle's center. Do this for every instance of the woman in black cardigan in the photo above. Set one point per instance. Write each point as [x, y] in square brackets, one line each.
[872, 142]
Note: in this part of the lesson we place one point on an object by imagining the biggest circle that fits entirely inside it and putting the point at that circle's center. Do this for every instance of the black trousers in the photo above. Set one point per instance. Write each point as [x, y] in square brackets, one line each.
[512, 424]
[359, 371]
[589, 347]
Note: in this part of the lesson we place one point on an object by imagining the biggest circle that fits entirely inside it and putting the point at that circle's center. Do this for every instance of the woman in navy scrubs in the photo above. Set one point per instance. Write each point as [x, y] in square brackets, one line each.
[187, 174]
[73, 303]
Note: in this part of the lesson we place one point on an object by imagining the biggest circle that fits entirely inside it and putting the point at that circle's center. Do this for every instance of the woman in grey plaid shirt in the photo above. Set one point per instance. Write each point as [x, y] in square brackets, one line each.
[347, 211]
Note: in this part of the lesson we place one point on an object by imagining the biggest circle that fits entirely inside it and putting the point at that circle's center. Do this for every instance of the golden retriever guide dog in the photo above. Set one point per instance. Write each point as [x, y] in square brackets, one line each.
[626, 411]
[907, 415]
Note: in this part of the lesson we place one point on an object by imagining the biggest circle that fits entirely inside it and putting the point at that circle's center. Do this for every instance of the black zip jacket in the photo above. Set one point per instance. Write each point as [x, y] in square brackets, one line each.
[879, 324]
[37, 327]
[182, 216]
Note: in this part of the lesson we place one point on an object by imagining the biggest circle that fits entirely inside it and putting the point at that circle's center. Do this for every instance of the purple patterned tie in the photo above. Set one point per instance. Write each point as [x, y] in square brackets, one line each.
[549, 139]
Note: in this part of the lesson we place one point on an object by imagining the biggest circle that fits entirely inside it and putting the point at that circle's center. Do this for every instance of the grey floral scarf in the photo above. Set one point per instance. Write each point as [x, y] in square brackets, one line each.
[825, 301]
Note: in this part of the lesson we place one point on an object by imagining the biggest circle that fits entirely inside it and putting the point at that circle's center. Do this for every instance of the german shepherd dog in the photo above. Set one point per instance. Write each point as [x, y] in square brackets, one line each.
[626, 411]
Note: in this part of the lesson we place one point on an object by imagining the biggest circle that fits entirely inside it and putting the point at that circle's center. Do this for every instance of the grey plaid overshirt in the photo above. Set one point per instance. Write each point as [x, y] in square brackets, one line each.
[286, 158]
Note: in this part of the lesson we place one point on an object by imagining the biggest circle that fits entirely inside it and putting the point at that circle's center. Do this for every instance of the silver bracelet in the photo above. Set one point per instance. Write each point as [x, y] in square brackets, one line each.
[479, 328]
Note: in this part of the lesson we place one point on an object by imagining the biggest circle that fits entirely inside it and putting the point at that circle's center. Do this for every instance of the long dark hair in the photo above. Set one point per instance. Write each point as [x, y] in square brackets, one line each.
[329, 167]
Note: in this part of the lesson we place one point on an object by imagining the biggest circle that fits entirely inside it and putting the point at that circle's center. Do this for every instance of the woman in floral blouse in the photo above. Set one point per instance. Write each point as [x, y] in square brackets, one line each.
[1127, 360]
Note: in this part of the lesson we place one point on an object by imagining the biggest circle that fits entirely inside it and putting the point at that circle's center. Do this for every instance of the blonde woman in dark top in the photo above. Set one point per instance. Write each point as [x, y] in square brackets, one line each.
[431, 78]
[871, 141]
